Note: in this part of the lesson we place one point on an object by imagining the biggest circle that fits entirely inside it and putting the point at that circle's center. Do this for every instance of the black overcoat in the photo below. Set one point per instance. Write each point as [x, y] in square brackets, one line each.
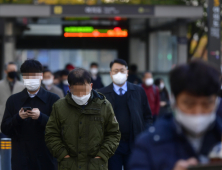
[29, 151]
[138, 105]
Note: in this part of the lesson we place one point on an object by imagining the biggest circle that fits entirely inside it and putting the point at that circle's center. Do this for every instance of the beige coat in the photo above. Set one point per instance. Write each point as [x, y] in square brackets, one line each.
[5, 93]
[54, 89]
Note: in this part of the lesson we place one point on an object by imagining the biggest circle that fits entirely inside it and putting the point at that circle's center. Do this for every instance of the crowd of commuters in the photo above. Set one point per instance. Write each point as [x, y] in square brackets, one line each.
[68, 120]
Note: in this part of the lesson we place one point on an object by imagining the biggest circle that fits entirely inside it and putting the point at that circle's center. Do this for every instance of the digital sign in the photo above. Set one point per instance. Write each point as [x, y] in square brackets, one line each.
[90, 31]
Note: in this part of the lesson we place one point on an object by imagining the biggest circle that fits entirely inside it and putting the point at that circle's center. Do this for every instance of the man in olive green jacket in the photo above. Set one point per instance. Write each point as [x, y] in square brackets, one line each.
[82, 131]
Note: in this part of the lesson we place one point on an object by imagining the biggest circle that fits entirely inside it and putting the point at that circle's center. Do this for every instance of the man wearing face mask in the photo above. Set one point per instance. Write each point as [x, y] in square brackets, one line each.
[47, 83]
[8, 86]
[186, 137]
[131, 108]
[82, 131]
[64, 85]
[25, 118]
[96, 79]
[152, 93]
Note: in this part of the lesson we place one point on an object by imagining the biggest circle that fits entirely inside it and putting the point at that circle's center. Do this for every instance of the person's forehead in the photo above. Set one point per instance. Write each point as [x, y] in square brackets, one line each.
[118, 65]
[11, 66]
[31, 74]
[47, 73]
[148, 74]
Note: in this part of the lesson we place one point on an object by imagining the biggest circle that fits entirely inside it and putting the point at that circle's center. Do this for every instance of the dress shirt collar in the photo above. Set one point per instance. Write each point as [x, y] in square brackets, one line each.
[116, 88]
[32, 95]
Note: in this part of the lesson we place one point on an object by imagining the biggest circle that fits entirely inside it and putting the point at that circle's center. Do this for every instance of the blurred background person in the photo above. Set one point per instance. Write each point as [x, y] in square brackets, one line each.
[96, 79]
[57, 77]
[131, 108]
[64, 84]
[133, 77]
[152, 93]
[69, 67]
[47, 83]
[186, 137]
[8, 86]
[164, 97]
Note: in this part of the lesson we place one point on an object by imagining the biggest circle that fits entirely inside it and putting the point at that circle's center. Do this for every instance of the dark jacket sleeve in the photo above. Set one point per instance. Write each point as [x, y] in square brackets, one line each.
[10, 120]
[140, 157]
[147, 114]
[112, 135]
[53, 136]
[44, 117]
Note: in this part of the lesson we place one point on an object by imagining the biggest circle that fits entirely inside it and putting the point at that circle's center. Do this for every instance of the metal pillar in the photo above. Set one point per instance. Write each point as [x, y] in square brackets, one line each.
[6, 153]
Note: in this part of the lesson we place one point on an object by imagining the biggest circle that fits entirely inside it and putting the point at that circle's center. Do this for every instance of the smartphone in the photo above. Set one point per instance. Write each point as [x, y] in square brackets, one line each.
[27, 108]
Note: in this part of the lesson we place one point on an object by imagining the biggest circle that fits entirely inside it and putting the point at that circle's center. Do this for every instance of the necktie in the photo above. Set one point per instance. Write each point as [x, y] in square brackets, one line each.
[121, 91]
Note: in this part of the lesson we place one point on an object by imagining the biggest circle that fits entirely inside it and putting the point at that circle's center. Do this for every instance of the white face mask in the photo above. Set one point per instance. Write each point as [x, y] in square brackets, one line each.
[119, 78]
[149, 81]
[162, 86]
[65, 82]
[47, 82]
[32, 84]
[94, 71]
[81, 100]
[196, 124]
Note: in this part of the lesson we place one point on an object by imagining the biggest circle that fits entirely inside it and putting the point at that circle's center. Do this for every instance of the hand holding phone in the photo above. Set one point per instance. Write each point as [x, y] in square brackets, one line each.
[23, 114]
[27, 109]
[34, 113]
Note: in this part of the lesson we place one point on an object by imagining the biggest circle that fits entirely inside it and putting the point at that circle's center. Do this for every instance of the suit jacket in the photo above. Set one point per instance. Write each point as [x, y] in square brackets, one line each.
[5, 93]
[138, 105]
[54, 89]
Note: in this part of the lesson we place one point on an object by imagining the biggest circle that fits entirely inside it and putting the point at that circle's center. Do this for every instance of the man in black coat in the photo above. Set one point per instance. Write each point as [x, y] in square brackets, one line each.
[131, 108]
[95, 77]
[26, 126]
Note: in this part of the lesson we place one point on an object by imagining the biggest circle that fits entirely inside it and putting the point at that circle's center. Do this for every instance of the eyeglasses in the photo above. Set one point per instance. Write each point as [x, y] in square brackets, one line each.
[117, 71]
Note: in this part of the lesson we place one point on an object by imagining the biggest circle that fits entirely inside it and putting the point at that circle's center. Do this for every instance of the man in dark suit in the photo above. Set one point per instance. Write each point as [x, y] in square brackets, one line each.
[27, 127]
[131, 108]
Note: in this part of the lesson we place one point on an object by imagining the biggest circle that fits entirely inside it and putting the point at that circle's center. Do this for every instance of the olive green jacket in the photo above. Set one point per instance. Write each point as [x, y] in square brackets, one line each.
[83, 132]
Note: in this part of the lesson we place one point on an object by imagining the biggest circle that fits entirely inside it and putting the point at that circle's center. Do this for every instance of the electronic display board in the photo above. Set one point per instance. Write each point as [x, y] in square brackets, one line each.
[94, 31]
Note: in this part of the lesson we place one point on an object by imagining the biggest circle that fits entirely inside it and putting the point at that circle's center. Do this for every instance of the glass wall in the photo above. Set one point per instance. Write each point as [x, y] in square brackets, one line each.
[57, 59]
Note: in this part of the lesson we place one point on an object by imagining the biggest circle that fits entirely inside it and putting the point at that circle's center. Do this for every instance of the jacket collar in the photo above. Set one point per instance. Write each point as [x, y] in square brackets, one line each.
[130, 87]
[94, 95]
[42, 95]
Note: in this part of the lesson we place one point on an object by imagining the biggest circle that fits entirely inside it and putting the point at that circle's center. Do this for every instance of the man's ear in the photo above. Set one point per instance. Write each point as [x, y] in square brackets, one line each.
[91, 86]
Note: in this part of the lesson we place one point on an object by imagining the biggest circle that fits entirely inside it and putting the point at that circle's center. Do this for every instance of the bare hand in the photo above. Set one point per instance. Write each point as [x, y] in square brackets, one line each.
[67, 156]
[184, 164]
[34, 113]
[97, 157]
[23, 114]
[162, 104]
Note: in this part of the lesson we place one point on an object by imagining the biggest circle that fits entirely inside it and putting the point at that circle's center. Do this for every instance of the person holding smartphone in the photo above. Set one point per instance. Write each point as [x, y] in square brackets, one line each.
[25, 118]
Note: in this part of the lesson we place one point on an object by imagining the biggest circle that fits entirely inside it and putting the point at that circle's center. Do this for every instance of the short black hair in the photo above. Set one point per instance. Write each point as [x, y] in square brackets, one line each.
[31, 66]
[147, 72]
[9, 63]
[120, 61]
[94, 64]
[197, 78]
[157, 81]
[133, 68]
[79, 76]
[46, 70]
[64, 73]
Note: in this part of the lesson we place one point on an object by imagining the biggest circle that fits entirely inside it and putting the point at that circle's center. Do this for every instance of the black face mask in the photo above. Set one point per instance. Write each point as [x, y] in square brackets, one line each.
[12, 74]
